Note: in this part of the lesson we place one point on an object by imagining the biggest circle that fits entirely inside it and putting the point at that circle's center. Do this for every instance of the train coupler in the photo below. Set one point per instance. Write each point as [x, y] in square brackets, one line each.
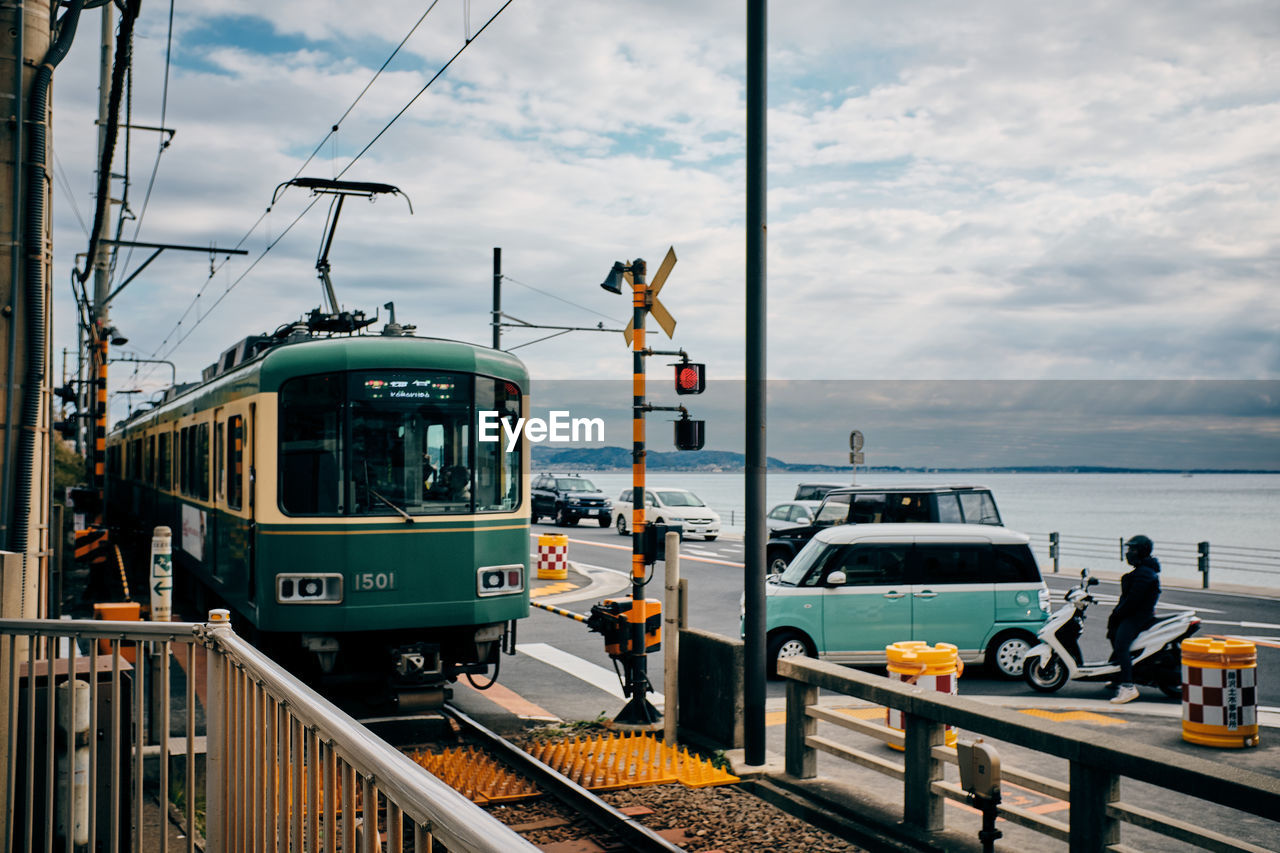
[417, 662]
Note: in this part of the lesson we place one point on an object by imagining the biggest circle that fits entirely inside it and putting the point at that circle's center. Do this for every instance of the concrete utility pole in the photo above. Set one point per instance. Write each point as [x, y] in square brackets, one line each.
[24, 41]
[28, 55]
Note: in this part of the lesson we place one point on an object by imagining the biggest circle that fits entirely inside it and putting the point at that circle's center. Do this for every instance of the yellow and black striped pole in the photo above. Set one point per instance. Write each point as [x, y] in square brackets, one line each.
[100, 422]
[638, 710]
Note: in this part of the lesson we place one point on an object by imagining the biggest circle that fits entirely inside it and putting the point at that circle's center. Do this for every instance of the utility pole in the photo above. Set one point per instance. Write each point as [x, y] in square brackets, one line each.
[28, 55]
[757, 321]
[96, 398]
[29, 24]
[497, 298]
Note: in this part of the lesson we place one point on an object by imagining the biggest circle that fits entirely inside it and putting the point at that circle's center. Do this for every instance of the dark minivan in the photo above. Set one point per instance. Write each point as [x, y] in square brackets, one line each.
[886, 504]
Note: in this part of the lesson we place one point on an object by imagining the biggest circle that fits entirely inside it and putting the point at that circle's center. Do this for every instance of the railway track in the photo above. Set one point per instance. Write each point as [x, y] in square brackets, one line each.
[591, 790]
[609, 827]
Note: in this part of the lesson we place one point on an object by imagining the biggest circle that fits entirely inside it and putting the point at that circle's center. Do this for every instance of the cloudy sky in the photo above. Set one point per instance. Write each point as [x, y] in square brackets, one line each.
[957, 191]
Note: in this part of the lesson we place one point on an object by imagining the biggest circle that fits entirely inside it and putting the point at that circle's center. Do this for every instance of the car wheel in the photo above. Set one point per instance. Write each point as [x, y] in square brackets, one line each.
[604, 521]
[1044, 676]
[1005, 655]
[621, 525]
[786, 644]
[778, 562]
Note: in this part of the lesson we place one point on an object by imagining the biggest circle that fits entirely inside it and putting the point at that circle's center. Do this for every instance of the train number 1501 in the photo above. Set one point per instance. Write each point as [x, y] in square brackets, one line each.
[369, 581]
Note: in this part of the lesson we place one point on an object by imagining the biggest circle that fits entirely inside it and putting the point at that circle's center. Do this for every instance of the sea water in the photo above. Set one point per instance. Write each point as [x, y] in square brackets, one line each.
[1237, 514]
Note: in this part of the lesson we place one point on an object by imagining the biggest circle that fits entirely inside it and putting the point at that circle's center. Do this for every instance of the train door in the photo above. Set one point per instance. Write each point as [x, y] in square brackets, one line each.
[247, 470]
[217, 526]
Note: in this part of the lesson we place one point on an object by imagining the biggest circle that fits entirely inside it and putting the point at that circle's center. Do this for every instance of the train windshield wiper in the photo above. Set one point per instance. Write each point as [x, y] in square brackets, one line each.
[386, 500]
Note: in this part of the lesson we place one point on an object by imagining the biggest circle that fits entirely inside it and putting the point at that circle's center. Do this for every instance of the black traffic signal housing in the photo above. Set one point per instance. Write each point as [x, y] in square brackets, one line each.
[691, 377]
[655, 541]
[690, 434]
[67, 428]
[66, 394]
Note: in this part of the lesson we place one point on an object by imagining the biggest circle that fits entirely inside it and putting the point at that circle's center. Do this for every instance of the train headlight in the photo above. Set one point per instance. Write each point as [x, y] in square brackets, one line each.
[309, 589]
[499, 580]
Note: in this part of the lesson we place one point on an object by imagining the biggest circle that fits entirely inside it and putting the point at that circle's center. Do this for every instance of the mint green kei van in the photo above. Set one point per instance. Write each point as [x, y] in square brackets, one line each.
[854, 589]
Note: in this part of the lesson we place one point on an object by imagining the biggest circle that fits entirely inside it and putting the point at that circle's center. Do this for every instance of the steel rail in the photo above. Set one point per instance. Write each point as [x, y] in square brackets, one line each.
[633, 834]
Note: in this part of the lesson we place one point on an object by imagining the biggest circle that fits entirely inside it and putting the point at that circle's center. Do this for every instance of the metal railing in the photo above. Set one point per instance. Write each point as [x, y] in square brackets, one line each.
[285, 769]
[1096, 762]
[1194, 556]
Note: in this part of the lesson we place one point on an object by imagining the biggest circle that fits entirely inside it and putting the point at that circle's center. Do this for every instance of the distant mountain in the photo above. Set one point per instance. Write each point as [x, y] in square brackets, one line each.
[618, 458]
[606, 458]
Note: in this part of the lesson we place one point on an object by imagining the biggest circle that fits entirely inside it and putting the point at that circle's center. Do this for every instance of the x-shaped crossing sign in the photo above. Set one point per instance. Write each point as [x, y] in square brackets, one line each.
[657, 309]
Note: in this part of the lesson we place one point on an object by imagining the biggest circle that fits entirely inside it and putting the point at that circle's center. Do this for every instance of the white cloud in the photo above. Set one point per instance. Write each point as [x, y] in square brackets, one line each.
[987, 191]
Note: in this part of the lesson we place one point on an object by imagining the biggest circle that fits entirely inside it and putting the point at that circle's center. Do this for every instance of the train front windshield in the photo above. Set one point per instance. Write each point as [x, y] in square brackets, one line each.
[395, 442]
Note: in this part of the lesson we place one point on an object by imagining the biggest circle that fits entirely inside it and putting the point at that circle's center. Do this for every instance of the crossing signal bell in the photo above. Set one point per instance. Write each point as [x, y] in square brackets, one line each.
[691, 378]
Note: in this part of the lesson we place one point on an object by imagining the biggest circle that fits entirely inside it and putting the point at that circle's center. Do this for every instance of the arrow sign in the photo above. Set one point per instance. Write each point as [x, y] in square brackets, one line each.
[658, 310]
[160, 587]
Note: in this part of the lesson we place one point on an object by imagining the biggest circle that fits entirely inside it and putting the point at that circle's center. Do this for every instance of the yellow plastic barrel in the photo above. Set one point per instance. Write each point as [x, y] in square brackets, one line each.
[916, 662]
[1220, 692]
[553, 557]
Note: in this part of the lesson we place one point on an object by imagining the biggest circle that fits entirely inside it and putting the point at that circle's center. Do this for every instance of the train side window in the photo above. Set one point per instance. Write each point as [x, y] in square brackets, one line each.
[164, 479]
[310, 448]
[188, 458]
[149, 461]
[497, 472]
[219, 469]
[235, 460]
[135, 459]
[202, 460]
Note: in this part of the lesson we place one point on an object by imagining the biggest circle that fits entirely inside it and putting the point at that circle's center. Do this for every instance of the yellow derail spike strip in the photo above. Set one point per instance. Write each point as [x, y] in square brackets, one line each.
[603, 763]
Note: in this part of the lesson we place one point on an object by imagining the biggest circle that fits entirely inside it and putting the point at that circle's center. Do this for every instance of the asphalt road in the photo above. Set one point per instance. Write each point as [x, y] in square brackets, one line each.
[716, 579]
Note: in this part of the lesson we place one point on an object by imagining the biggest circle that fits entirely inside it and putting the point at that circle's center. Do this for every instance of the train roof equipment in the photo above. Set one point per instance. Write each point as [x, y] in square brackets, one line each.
[336, 320]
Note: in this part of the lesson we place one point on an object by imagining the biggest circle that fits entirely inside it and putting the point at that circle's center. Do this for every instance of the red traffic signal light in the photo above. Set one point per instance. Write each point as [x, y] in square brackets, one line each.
[691, 378]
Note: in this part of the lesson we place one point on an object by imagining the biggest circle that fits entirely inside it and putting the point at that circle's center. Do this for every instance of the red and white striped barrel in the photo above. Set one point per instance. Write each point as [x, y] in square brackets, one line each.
[553, 557]
[930, 667]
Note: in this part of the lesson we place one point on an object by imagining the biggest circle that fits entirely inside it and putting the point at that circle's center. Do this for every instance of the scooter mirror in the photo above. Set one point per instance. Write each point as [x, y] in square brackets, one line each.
[1093, 582]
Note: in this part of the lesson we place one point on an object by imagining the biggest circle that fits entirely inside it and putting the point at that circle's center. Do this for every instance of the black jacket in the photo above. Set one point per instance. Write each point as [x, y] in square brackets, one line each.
[1139, 592]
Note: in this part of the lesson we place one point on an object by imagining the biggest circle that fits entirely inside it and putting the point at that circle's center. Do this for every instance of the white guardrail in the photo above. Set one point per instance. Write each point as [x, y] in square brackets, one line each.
[285, 769]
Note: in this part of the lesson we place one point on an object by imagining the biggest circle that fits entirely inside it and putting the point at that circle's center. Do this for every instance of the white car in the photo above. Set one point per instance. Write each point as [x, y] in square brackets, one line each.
[792, 514]
[669, 506]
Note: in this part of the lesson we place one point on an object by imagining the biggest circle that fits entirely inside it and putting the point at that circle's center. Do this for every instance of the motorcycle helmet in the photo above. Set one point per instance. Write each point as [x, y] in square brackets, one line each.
[1136, 549]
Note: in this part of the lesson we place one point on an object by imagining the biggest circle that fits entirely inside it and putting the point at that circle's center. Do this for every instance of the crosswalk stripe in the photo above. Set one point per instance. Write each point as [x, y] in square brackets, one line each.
[596, 676]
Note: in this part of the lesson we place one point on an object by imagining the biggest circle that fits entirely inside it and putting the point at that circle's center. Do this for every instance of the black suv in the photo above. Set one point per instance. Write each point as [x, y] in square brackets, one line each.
[885, 504]
[567, 498]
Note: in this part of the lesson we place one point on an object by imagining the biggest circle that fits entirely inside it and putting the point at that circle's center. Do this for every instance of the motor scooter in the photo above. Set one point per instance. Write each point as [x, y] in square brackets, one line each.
[1157, 659]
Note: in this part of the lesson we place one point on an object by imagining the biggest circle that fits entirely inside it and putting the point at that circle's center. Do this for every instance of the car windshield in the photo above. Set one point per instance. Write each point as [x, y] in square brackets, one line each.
[813, 554]
[575, 484]
[679, 498]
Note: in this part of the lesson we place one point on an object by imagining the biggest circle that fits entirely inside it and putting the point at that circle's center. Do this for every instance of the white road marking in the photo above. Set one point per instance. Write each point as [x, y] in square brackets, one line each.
[596, 676]
[1265, 625]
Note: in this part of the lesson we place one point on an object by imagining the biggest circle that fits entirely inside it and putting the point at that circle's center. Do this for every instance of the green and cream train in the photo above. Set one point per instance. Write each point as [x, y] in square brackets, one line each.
[331, 492]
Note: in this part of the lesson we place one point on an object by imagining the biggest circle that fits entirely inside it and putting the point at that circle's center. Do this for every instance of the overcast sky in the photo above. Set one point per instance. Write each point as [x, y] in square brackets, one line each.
[957, 191]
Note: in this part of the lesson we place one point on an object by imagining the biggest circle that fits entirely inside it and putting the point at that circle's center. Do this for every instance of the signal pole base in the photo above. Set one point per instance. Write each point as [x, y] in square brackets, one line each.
[639, 715]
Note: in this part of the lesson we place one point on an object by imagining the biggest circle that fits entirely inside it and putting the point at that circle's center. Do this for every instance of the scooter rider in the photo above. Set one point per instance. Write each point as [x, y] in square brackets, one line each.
[1134, 612]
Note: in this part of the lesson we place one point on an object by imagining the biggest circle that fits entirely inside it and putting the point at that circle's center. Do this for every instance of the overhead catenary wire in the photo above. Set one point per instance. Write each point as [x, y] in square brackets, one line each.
[506, 277]
[163, 144]
[354, 160]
